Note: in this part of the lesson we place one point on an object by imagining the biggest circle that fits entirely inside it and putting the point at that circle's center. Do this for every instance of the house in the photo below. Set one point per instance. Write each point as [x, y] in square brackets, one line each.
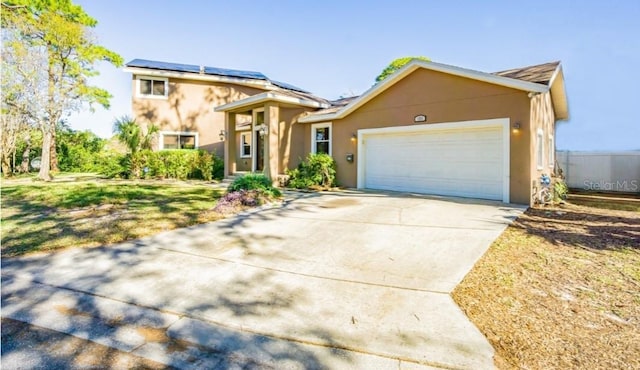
[428, 128]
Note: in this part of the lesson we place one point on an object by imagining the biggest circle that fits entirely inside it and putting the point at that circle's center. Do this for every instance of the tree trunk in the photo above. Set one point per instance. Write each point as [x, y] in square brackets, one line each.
[45, 162]
[24, 166]
[53, 154]
[6, 166]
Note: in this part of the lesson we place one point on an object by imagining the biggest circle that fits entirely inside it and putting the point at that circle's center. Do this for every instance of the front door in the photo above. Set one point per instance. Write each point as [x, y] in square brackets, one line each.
[259, 151]
[258, 122]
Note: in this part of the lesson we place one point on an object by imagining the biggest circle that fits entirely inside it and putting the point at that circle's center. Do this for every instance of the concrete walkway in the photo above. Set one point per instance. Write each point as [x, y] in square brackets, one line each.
[342, 280]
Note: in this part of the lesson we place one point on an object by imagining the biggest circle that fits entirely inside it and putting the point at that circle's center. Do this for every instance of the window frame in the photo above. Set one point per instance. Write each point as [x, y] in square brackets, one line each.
[139, 94]
[314, 142]
[551, 152]
[540, 149]
[178, 133]
[248, 142]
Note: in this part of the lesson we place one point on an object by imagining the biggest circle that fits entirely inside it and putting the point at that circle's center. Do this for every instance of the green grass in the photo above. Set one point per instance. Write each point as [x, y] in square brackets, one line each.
[39, 216]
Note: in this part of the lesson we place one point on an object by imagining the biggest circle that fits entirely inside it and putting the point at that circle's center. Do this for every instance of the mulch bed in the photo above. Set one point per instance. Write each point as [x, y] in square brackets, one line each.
[560, 289]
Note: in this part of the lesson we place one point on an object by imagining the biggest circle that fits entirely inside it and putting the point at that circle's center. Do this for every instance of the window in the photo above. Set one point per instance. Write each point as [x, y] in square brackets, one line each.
[539, 150]
[152, 87]
[245, 145]
[178, 140]
[552, 152]
[321, 138]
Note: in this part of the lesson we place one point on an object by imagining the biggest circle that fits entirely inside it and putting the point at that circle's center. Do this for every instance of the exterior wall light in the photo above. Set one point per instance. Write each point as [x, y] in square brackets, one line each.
[516, 127]
[262, 130]
[223, 135]
[354, 137]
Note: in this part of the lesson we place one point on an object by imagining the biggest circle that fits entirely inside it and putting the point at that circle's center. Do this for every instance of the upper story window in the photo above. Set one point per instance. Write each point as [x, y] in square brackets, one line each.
[152, 87]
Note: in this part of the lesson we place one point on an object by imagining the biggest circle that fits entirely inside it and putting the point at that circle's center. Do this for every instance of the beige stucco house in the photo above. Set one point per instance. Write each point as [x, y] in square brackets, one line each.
[428, 128]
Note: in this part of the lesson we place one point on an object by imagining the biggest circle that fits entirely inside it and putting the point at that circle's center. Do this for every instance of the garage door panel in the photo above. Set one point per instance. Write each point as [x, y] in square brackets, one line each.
[466, 163]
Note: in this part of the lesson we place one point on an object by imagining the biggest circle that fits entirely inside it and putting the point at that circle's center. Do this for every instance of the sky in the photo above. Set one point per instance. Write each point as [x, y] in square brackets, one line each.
[337, 47]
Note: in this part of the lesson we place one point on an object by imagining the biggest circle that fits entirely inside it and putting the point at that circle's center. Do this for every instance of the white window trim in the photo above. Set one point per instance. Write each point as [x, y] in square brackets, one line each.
[145, 96]
[313, 135]
[249, 141]
[540, 149]
[551, 152]
[185, 133]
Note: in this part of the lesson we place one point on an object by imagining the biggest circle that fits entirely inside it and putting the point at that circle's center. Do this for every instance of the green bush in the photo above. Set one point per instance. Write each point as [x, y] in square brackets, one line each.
[112, 165]
[218, 168]
[317, 171]
[175, 164]
[254, 182]
[560, 190]
[78, 151]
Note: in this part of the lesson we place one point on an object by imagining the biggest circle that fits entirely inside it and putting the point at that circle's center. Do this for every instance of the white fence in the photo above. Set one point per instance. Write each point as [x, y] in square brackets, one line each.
[604, 171]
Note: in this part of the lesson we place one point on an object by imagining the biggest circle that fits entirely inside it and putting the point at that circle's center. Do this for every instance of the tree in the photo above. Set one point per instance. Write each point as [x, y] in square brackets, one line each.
[396, 65]
[59, 32]
[131, 134]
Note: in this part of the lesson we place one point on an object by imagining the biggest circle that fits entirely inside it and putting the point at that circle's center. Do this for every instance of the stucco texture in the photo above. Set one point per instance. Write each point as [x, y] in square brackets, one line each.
[442, 98]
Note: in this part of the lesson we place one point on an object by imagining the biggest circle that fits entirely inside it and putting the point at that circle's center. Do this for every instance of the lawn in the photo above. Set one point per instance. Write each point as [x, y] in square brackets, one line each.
[86, 211]
[560, 289]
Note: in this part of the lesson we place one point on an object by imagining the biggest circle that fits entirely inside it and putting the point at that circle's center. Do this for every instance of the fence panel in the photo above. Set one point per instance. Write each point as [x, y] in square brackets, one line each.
[604, 171]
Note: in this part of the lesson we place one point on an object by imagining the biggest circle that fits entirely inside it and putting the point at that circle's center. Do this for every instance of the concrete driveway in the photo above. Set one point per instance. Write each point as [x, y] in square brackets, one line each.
[336, 280]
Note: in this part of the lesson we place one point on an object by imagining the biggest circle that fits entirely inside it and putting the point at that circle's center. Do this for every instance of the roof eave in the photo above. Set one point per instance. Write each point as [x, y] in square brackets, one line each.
[239, 105]
[262, 84]
[414, 65]
[559, 95]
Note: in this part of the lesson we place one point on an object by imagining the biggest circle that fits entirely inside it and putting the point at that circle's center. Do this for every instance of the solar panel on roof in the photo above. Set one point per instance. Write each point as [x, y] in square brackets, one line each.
[234, 73]
[287, 86]
[142, 63]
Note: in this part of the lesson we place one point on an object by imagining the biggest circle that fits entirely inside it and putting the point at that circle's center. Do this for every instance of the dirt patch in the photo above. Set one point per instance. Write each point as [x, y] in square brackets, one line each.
[560, 288]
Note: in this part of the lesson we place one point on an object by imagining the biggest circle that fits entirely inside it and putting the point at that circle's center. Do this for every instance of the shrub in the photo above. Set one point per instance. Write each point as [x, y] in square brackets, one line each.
[112, 165]
[258, 182]
[560, 190]
[318, 170]
[175, 164]
[217, 170]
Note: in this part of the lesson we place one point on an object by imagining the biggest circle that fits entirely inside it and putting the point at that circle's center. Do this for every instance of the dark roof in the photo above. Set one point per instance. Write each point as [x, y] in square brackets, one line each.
[302, 95]
[343, 101]
[287, 86]
[336, 105]
[143, 63]
[540, 73]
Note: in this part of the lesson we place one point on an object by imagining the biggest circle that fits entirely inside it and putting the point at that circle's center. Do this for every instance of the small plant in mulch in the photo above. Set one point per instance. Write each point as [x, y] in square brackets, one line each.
[245, 192]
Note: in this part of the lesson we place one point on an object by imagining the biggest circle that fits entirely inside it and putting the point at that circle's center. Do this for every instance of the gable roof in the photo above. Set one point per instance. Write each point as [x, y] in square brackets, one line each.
[534, 79]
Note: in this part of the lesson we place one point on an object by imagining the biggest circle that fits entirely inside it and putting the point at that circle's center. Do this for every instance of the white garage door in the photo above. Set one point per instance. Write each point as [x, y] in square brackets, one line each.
[465, 161]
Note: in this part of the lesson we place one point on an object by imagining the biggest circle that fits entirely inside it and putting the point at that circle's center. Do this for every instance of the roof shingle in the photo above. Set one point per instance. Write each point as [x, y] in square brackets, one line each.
[541, 73]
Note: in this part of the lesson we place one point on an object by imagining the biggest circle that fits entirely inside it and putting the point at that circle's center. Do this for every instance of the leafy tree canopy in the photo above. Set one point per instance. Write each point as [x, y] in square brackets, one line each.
[396, 65]
[49, 49]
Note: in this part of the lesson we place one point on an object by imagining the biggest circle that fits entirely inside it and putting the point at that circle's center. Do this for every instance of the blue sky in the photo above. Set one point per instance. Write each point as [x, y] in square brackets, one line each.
[335, 48]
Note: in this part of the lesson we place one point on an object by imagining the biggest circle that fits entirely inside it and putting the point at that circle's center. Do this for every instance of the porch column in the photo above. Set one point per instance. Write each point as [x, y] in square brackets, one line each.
[229, 144]
[272, 147]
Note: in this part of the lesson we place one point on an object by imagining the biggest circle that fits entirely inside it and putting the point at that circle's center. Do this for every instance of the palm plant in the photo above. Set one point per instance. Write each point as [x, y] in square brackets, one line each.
[129, 132]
